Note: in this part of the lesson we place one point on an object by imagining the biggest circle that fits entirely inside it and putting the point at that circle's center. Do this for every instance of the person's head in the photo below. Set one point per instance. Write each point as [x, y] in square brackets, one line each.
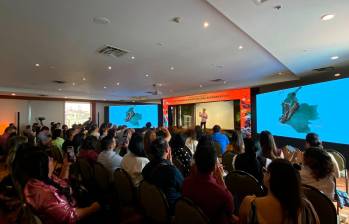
[198, 131]
[108, 143]
[148, 125]
[13, 145]
[45, 129]
[318, 161]
[283, 182]
[136, 145]
[205, 155]
[90, 143]
[204, 110]
[10, 129]
[268, 145]
[159, 149]
[65, 127]
[28, 126]
[71, 133]
[312, 140]
[56, 133]
[252, 146]
[216, 128]
[177, 141]
[38, 165]
[149, 137]
[237, 142]
[112, 132]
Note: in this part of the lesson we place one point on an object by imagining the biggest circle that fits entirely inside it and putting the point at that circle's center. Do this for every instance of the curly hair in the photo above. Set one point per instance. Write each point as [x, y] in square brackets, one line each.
[319, 162]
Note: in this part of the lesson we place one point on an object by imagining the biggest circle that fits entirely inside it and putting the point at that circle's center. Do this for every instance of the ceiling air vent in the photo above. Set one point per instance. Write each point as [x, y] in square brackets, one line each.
[259, 2]
[217, 80]
[324, 69]
[59, 81]
[112, 51]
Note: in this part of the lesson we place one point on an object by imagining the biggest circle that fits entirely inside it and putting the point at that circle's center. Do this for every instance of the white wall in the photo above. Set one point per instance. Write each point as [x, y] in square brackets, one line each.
[51, 110]
[221, 113]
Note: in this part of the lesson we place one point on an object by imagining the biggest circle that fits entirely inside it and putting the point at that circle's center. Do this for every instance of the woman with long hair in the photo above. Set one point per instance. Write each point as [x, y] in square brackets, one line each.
[283, 204]
[269, 149]
[49, 196]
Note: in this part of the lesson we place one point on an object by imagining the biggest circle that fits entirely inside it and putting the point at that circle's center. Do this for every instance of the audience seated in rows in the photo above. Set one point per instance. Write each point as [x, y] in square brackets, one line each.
[160, 171]
[269, 149]
[135, 159]
[202, 187]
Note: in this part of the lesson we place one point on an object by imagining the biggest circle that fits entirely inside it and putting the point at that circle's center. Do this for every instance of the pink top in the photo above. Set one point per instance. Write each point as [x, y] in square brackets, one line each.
[50, 206]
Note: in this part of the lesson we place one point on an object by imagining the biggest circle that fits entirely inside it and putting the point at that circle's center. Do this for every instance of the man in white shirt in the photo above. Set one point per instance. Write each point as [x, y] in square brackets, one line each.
[108, 158]
[204, 118]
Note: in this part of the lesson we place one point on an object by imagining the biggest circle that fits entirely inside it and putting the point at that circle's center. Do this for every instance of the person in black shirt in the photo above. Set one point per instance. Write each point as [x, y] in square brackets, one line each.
[160, 171]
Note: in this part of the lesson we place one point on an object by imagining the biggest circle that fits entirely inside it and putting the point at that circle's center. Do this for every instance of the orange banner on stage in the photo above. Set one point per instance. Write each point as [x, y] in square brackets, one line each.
[234, 94]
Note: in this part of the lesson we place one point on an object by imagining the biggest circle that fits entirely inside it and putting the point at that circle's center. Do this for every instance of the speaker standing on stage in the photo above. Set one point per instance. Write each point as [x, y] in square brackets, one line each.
[204, 118]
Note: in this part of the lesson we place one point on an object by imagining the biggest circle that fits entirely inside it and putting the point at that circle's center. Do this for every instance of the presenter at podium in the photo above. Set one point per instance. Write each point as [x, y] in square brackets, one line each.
[204, 118]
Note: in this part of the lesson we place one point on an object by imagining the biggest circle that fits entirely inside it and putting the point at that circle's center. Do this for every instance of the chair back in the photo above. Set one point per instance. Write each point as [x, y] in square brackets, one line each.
[322, 204]
[153, 202]
[187, 212]
[227, 161]
[102, 177]
[241, 184]
[123, 187]
[340, 159]
[85, 170]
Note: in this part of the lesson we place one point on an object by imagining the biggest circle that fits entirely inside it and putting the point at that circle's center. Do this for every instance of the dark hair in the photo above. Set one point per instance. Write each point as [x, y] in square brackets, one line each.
[319, 162]
[90, 143]
[70, 132]
[177, 141]
[191, 133]
[205, 155]
[149, 137]
[36, 166]
[199, 132]
[216, 128]
[56, 133]
[136, 145]
[106, 142]
[252, 146]
[44, 128]
[237, 142]
[268, 145]
[285, 185]
[157, 148]
[148, 125]
[313, 140]
[111, 132]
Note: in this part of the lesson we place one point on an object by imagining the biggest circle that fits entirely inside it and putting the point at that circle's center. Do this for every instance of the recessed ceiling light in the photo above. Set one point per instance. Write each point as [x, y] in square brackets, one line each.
[327, 17]
[65, 97]
[334, 57]
[337, 75]
[104, 87]
[224, 82]
[83, 79]
[133, 57]
[37, 65]
[59, 89]
[101, 20]
[201, 86]
[147, 75]
[13, 94]
[206, 24]
[118, 83]
[171, 68]
[109, 67]
[74, 83]
[241, 47]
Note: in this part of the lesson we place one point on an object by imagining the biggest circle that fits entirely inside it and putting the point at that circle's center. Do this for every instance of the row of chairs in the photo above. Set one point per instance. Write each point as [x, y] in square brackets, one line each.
[152, 202]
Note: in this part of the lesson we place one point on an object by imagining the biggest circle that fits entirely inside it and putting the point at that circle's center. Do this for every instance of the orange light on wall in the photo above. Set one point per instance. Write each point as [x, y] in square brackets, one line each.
[3, 126]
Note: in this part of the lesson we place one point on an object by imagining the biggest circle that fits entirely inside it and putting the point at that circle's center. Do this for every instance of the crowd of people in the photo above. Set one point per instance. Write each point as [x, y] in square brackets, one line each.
[181, 163]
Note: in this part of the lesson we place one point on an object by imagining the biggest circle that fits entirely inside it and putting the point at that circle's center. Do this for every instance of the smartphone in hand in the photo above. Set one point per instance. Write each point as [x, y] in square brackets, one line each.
[71, 154]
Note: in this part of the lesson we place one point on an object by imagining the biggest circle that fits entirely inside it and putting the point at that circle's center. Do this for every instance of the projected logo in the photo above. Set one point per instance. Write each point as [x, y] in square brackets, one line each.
[297, 115]
[132, 117]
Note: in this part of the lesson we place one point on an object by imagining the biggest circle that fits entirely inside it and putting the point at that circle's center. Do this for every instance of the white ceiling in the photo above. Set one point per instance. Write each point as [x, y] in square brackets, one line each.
[62, 37]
